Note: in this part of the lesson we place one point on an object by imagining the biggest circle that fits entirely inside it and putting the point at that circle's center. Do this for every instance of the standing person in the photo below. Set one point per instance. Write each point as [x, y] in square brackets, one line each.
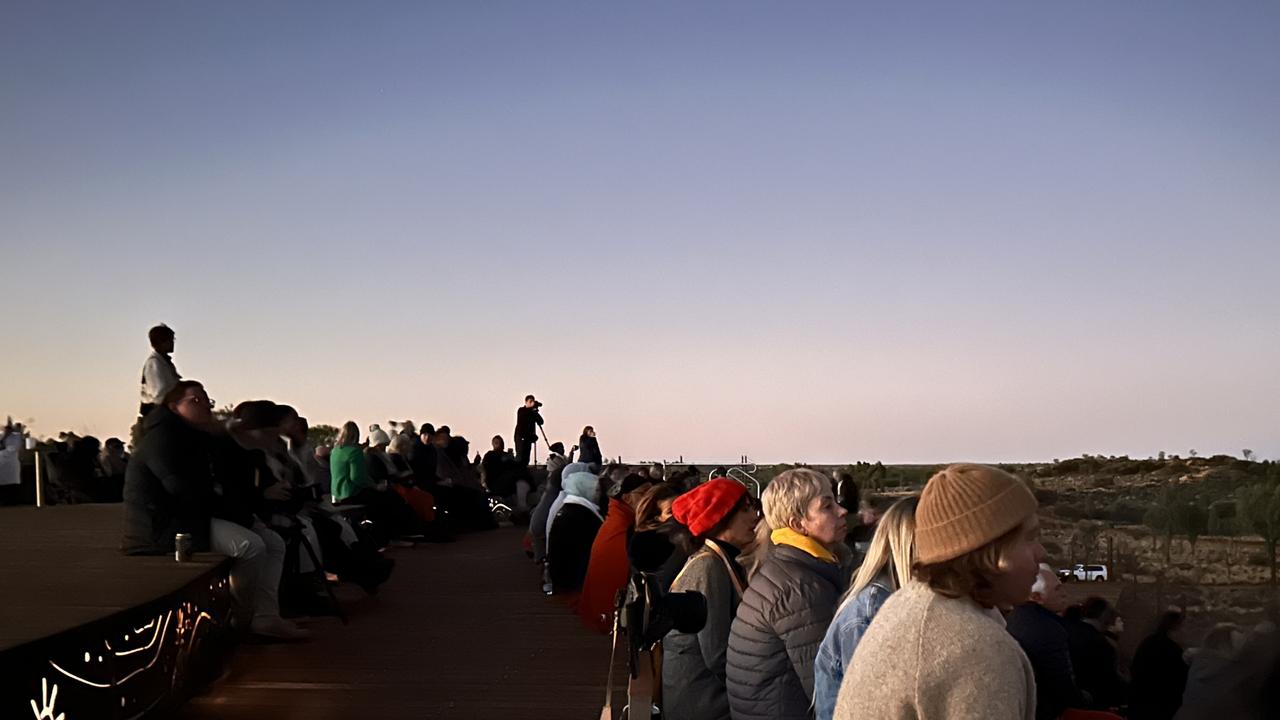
[609, 567]
[158, 371]
[528, 419]
[790, 602]
[1159, 671]
[1039, 629]
[938, 647]
[886, 568]
[11, 441]
[719, 521]
[589, 449]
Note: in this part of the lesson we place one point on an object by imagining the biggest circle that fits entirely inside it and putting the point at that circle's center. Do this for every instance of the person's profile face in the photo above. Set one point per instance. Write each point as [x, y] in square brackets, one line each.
[166, 344]
[194, 406]
[824, 519]
[530, 402]
[742, 529]
[1020, 567]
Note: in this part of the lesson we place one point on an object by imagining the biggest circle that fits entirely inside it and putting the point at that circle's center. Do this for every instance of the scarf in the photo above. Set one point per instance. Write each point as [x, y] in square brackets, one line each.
[787, 536]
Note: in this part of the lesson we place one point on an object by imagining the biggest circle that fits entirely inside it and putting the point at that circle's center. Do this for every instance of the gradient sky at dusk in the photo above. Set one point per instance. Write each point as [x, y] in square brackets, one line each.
[801, 231]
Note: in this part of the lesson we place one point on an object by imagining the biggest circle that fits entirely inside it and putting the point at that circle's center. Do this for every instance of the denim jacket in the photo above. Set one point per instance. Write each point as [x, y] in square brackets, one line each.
[836, 652]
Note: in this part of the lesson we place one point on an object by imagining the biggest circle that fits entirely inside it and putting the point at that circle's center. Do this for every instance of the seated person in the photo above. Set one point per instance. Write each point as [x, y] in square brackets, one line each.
[352, 485]
[169, 489]
[573, 532]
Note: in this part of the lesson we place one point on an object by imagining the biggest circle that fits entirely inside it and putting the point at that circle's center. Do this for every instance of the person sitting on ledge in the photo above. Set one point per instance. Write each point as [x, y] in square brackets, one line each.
[168, 490]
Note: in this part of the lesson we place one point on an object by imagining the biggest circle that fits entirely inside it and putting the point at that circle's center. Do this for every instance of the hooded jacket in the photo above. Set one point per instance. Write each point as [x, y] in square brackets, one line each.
[573, 531]
[168, 487]
[608, 568]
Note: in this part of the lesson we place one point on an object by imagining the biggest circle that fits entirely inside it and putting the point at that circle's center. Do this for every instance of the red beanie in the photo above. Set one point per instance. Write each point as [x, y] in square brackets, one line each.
[705, 506]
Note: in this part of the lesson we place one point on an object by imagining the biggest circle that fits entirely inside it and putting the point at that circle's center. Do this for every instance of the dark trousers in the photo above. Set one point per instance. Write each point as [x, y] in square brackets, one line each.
[523, 449]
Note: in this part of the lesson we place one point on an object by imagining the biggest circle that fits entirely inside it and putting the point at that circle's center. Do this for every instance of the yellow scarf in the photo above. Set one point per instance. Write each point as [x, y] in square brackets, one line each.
[787, 536]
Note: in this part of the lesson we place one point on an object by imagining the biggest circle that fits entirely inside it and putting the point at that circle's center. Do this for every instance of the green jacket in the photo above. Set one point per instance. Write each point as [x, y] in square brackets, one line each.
[348, 473]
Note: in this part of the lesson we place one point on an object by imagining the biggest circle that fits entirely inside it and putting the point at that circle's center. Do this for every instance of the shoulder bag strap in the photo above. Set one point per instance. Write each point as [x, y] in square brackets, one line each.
[728, 565]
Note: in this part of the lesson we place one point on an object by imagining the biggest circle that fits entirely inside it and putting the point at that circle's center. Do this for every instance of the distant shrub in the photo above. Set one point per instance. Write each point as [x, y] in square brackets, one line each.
[1103, 481]
[1125, 512]
[1046, 497]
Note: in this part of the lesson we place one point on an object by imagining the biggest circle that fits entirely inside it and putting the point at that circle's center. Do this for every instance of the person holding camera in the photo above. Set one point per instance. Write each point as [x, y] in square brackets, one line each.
[527, 421]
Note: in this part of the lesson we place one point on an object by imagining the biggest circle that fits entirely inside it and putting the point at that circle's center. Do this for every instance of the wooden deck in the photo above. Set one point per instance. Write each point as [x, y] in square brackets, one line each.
[61, 568]
[460, 631]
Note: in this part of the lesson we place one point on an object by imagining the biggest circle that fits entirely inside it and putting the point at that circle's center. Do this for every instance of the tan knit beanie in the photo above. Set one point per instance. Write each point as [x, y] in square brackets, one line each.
[964, 507]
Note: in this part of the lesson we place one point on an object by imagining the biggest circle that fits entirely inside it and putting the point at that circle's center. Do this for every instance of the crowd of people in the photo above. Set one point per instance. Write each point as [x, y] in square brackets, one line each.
[811, 603]
[941, 607]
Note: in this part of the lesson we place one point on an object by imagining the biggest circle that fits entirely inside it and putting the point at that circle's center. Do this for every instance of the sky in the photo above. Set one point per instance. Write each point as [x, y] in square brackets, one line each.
[802, 232]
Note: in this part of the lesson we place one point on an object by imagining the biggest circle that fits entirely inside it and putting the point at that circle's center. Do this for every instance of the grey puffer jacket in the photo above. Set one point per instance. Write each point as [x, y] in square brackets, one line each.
[775, 637]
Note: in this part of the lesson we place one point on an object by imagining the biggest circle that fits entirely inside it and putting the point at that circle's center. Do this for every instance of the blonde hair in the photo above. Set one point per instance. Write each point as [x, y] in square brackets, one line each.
[892, 547]
[786, 498]
[349, 435]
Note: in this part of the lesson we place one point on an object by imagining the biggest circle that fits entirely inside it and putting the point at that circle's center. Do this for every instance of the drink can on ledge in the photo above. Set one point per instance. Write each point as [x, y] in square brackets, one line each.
[182, 547]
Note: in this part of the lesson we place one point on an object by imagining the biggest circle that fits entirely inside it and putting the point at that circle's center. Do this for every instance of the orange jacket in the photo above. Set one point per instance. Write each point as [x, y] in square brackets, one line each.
[609, 567]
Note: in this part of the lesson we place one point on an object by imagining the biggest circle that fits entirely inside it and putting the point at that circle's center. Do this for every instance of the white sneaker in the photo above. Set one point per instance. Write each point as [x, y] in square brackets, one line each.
[278, 628]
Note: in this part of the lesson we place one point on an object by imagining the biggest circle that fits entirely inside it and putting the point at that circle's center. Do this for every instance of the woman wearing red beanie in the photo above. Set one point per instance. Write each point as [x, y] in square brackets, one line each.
[721, 521]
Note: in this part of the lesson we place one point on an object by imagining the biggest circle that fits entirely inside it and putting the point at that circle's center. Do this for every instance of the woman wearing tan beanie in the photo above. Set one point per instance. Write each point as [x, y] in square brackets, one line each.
[938, 649]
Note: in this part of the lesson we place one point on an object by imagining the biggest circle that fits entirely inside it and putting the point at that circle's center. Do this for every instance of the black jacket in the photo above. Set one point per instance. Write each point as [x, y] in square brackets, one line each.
[168, 487]
[573, 531]
[499, 472]
[526, 421]
[237, 471]
[774, 639]
[1043, 638]
[423, 463]
[1159, 678]
[1093, 658]
[589, 451]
